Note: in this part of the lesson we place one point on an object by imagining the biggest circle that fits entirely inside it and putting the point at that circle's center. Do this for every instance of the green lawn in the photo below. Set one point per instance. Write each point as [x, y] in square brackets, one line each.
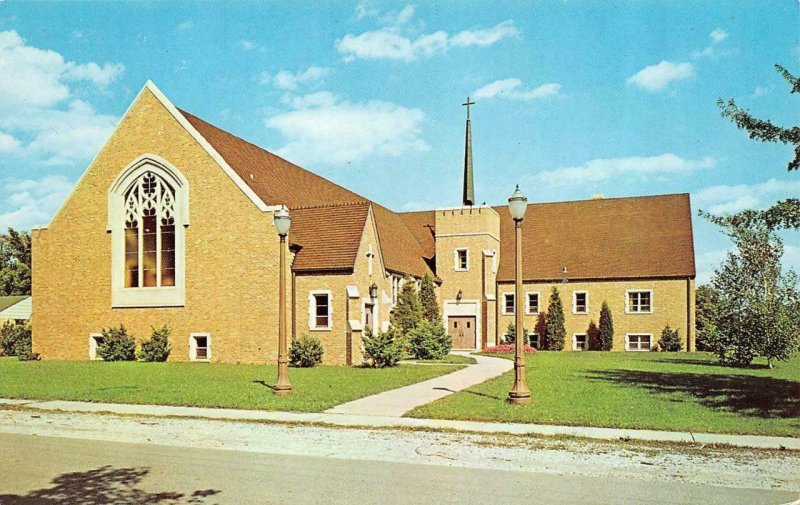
[665, 391]
[201, 384]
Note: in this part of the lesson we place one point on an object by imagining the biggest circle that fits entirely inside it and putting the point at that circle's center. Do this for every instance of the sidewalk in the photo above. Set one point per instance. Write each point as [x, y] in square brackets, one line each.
[396, 402]
[359, 421]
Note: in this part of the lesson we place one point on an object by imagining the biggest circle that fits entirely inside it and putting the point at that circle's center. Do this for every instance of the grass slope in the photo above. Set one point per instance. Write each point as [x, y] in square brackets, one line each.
[202, 385]
[665, 391]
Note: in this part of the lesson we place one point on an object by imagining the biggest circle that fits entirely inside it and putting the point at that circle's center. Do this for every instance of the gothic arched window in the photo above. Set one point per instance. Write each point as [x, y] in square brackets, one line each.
[149, 233]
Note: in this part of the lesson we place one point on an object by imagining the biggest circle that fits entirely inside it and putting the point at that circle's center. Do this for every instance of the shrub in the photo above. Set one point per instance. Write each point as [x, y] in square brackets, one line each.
[157, 347]
[30, 356]
[427, 298]
[507, 348]
[670, 341]
[555, 323]
[407, 314]
[15, 338]
[593, 337]
[429, 341]
[606, 328]
[381, 350]
[306, 352]
[511, 335]
[117, 345]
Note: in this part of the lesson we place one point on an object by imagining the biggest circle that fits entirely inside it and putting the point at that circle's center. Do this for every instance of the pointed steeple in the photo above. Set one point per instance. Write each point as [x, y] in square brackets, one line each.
[469, 188]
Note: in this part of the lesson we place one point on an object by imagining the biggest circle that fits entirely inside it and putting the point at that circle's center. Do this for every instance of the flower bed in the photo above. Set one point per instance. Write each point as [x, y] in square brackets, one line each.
[506, 348]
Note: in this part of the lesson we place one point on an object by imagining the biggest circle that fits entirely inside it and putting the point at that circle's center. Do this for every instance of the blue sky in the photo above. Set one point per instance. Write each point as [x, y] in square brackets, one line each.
[573, 98]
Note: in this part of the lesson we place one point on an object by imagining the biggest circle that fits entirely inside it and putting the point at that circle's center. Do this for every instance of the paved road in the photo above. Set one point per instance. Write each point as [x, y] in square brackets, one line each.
[55, 471]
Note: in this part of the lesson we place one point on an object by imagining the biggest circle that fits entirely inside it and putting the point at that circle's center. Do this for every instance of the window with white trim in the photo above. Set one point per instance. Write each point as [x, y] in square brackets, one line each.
[95, 341]
[320, 310]
[462, 260]
[580, 302]
[579, 342]
[396, 280]
[535, 341]
[532, 303]
[508, 303]
[638, 342]
[200, 347]
[640, 302]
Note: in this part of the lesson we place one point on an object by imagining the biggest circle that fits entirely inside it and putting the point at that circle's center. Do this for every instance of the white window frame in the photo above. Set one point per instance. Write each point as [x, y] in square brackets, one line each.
[575, 341]
[504, 311]
[575, 302]
[456, 263]
[193, 347]
[531, 336]
[628, 308]
[538, 303]
[312, 310]
[397, 283]
[628, 341]
[167, 296]
[93, 346]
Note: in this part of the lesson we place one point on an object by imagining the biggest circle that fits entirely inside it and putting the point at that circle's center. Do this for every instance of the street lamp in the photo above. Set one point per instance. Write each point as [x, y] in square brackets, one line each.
[282, 224]
[519, 394]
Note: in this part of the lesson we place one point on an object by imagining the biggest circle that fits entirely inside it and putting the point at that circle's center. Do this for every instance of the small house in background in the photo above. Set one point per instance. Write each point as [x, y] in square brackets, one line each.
[15, 308]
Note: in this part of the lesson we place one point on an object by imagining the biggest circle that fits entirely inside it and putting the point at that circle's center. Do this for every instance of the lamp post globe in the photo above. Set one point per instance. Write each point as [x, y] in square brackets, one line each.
[282, 224]
[519, 394]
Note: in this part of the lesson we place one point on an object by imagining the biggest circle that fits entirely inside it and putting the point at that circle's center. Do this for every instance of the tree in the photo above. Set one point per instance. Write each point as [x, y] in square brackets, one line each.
[381, 350]
[15, 263]
[670, 340]
[593, 337]
[786, 213]
[555, 323]
[429, 341]
[427, 298]
[511, 335]
[606, 335]
[756, 312]
[706, 300]
[407, 314]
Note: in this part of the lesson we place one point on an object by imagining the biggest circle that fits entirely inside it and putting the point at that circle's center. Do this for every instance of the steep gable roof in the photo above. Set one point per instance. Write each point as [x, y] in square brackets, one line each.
[637, 237]
[421, 224]
[322, 206]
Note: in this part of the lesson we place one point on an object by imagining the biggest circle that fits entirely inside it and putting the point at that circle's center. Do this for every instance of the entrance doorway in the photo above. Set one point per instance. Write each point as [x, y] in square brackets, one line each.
[463, 331]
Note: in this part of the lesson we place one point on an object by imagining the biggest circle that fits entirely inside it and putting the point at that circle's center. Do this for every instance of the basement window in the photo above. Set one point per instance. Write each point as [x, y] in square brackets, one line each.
[579, 342]
[200, 347]
[638, 342]
[95, 341]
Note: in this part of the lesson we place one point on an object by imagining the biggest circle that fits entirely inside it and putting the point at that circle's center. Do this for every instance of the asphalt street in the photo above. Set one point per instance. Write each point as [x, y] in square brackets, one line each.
[45, 470]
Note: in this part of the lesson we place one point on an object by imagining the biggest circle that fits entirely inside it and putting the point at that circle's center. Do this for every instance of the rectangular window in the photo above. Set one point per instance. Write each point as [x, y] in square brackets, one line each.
[532, 306]
[395, 288]
[640, 301]
[200, 347]
[322, 314]
[534, 339]
[462, 260]
[131, 257]
[149, 251]
[95, 341]
[167, 255]
[638, 343]
[580, 302]
[579, 342]
[508, 303]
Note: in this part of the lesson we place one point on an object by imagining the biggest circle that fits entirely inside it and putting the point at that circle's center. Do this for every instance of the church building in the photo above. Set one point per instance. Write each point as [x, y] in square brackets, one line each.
[173, 223]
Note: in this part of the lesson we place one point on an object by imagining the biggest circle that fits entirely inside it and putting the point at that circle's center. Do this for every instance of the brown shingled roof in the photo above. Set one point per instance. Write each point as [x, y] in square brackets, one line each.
[328, 220]
[648, 236]
[328, 236]
[421, 224]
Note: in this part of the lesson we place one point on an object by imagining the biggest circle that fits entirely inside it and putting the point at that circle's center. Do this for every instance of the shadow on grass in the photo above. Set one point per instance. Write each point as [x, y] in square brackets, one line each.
[103, 485]
[470, 392]
[742, 394]
[710, 362]
[264, 383]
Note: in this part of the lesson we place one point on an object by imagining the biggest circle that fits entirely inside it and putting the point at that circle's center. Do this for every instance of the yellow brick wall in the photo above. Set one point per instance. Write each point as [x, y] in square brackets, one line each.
[231, 255]
[334, 341]
[669, 307]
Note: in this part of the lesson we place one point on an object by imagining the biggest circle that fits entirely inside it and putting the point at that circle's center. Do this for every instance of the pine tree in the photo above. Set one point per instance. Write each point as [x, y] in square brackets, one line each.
[555, 323]
[606, 335]
[427, 298]
[593, 337]
[407, 314]
[511, 335]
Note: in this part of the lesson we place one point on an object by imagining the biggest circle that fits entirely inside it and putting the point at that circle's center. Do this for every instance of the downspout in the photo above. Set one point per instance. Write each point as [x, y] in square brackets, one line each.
[688, 315]
[294, 305]
[484, 304]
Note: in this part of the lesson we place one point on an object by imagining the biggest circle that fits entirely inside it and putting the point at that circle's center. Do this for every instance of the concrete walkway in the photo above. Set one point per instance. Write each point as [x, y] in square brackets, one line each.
[396, 402]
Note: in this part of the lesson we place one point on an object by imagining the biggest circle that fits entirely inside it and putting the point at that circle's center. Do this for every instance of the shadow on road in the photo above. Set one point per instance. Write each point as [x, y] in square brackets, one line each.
[103, 485]
[742, 394]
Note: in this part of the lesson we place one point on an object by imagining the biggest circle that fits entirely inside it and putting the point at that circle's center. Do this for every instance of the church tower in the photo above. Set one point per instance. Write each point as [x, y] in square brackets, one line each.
[469, 189]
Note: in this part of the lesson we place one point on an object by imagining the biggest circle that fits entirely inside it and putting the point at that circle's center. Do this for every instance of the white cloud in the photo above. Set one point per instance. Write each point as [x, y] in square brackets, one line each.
[247, 45]
[290, 81]
[728, 199]
[511, 88]
[324, 129]
[318, 99]
[390, 43]
[32, 201]
[761, 91]
[41, 119]
[399, 18]
[657, 77]
[641, 167]
[707, 262]
[364, 9]
[718, 36]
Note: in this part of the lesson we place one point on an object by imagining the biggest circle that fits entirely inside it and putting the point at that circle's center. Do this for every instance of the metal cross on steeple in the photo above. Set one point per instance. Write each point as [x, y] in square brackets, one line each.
[467, 104]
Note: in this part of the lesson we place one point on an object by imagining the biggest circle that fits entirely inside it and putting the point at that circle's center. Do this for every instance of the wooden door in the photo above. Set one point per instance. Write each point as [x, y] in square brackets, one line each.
[463, 331]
